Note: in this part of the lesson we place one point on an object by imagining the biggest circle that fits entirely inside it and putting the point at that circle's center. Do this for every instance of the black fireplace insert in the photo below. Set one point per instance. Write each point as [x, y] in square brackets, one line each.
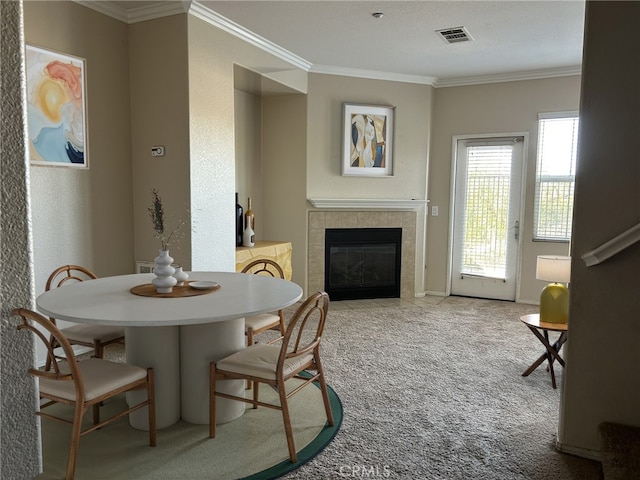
[362, 263]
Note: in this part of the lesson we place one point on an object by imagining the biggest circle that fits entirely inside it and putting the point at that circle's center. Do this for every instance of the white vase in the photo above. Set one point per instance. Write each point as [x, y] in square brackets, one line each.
[181, 276]
[248, 237]
[164, 280]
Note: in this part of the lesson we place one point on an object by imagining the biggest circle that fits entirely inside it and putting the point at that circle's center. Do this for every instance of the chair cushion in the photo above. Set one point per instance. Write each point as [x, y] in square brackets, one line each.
[260, 321]
[88, 333]
[99, 377]
[260, 360]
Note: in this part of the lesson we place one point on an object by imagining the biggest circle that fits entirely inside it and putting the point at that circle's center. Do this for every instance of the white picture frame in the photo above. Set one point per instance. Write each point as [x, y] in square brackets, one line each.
[56, 108]
[367, 140]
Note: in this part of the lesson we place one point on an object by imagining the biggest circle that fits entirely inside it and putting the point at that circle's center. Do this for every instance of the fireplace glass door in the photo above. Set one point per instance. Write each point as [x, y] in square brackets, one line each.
[363, 263]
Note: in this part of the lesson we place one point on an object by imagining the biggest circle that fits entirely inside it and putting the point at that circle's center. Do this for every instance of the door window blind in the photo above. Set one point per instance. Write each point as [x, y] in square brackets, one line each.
[487, 210]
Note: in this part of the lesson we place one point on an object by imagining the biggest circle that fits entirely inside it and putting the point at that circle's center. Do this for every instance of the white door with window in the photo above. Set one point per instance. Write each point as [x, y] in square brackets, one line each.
[486, 221]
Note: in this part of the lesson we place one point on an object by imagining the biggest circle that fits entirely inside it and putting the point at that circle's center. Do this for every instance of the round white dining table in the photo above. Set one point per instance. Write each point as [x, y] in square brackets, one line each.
[178, 337]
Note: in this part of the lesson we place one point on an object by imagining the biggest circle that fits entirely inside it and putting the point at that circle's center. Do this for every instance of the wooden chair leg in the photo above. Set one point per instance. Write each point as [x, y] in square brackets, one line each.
[75, 441]
[287, 424]
[249, 343]
[212, 400]
[256, 386]
[151, 395]
[99, 349]
[325, 393]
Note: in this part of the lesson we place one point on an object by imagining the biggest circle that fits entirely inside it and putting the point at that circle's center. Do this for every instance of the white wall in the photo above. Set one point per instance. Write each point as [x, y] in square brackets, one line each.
[284, 132]
[413, 125]
[602, 378]
[20, 449]
[491, 109]
[158, 59]
[249, 161]
[84, 216]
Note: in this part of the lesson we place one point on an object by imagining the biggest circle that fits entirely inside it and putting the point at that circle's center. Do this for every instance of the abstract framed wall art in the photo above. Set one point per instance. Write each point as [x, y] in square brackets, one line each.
[367, 140]
[56, 108]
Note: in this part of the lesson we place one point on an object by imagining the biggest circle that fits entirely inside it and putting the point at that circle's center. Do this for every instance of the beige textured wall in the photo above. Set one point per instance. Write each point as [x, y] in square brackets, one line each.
[20, 449]
[602, 379]
[249, 161]
[491, 109]
[84, 216]
[158, 62]
[212, 56]
[413, 126]
[284, 136]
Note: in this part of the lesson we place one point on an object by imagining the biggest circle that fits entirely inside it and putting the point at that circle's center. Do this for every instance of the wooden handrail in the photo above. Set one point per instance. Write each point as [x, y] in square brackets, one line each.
[612, 247]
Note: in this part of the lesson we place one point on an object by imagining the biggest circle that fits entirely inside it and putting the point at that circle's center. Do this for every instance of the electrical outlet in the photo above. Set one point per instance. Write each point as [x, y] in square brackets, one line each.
[157, 151]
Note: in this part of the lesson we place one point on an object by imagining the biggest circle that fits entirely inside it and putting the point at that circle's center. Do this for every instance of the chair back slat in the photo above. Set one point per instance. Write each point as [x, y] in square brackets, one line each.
[53, 336]
[305, 328]
[68, 273]
[264, 266]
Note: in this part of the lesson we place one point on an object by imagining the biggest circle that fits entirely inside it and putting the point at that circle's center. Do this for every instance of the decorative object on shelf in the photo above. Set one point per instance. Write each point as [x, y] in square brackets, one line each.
[249, 235]
[248, 238]
[181, 276]
[239, 222]
[164, 280]
[554, 299]
[249, 218]
[367, 140]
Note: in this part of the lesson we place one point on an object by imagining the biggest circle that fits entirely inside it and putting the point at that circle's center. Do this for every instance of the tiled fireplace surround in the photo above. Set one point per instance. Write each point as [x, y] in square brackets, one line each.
[320, 220]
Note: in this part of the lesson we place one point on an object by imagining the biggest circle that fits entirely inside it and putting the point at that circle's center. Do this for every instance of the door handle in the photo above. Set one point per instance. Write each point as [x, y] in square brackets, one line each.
[516, 229]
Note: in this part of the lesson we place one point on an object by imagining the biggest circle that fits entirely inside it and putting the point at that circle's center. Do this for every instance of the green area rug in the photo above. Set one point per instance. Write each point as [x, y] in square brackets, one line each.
[253, 446]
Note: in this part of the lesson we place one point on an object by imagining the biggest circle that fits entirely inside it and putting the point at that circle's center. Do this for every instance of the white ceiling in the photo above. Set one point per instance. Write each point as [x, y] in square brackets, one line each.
[511, 39]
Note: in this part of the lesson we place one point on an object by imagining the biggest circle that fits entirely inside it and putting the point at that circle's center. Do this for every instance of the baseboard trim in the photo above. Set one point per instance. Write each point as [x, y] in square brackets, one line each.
[435, 294]
[579, 451]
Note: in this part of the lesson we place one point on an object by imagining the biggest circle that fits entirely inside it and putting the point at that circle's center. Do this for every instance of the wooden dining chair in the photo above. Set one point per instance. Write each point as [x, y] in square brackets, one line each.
[84, 385]
[264, 321]
[275, 365]
[94, 336]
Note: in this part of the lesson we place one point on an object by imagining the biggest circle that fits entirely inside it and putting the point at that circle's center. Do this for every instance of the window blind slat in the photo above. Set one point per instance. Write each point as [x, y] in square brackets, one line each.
[555, 177]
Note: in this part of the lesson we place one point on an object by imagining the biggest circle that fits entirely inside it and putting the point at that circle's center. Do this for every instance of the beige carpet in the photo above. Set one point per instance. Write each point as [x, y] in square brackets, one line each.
[243, 447]
[620, 451]
[435, 392]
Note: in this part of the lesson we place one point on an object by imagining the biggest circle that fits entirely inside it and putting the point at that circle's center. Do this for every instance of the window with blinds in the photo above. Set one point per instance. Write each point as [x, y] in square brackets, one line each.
[555, 176]
[487, 210]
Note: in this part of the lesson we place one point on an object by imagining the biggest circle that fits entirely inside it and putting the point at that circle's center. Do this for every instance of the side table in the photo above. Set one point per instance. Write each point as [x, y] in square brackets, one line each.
[552, 352]
[279, 252]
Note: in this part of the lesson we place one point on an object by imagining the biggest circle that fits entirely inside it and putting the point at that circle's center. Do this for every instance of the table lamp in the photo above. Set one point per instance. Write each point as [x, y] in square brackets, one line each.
[554, 299]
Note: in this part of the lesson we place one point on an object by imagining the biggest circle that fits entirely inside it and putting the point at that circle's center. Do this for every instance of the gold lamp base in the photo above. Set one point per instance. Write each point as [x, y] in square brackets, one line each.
[554, 303]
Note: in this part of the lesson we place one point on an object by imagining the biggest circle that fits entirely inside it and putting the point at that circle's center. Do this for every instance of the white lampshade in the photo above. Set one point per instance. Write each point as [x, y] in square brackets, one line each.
[553, 268]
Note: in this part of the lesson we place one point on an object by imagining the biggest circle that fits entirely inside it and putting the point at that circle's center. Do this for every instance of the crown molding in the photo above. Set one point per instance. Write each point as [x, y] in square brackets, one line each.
[372, 74]
[509, 77]
[165, 8]
[223, 23]
[140, 14]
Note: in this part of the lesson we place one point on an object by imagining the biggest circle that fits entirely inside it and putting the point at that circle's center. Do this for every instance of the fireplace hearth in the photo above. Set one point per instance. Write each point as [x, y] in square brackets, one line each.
[363, 263]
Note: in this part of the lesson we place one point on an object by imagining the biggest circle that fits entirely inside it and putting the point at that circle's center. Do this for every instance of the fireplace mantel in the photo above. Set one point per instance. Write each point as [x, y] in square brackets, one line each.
[368, 203]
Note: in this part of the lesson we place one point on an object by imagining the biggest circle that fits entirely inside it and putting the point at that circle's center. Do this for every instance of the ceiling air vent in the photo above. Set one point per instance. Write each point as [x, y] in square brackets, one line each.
[454, 35]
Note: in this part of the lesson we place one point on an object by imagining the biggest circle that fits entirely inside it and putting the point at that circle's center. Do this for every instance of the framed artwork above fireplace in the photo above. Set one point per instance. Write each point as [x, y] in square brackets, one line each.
[367, 140]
